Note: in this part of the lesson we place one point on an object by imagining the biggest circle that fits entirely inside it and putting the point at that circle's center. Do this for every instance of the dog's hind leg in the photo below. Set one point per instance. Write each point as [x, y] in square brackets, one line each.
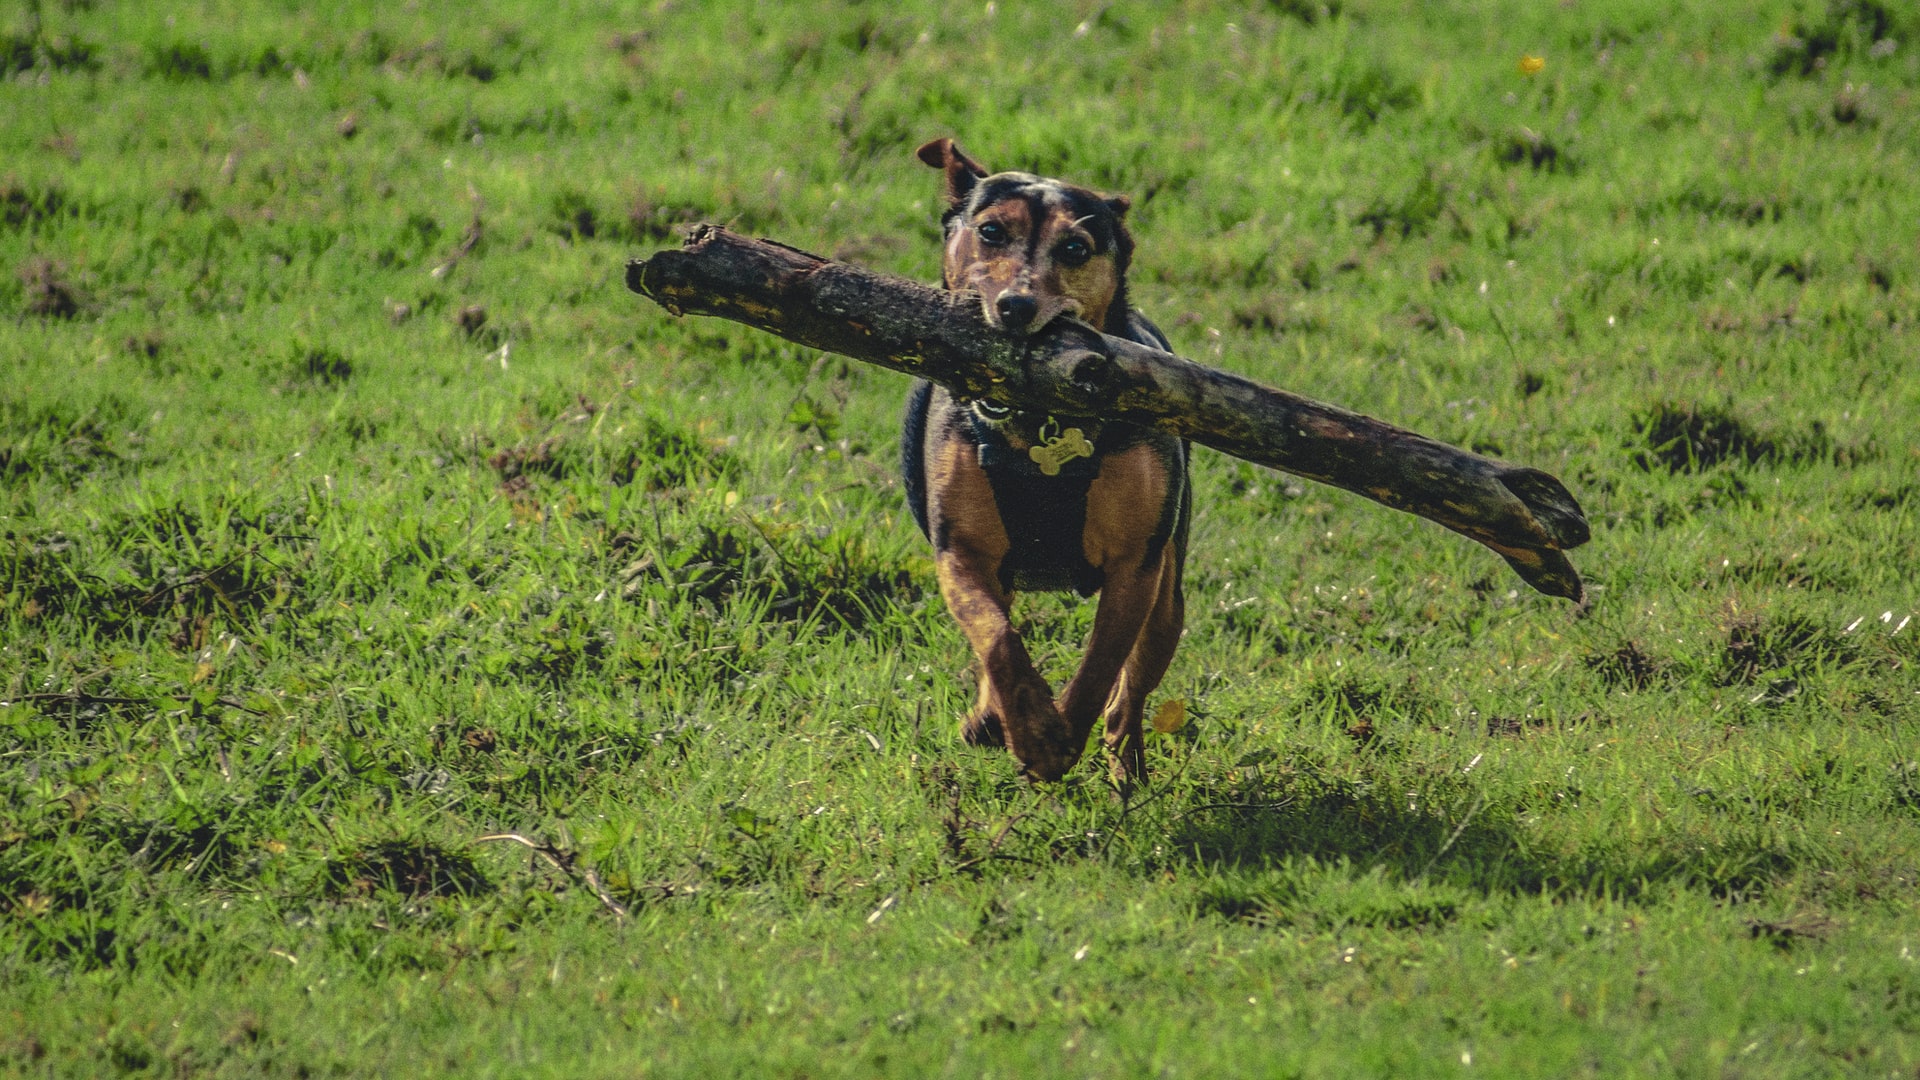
[1146, 666]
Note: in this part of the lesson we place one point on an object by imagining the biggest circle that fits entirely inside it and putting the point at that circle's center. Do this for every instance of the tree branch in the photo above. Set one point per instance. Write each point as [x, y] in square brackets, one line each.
[1525, 515]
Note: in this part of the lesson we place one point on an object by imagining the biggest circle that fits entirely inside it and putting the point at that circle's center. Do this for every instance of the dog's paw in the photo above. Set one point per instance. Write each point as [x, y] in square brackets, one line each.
[1037, 734]
[982, 728]
[1127, 767]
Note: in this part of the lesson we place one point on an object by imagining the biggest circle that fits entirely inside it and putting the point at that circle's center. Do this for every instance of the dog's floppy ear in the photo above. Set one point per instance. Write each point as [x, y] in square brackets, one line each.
[1119, 204]
[962, 171]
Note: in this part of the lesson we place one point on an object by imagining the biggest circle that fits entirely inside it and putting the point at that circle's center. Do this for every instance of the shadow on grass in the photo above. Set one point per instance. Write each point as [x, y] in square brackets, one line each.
[1474, 846]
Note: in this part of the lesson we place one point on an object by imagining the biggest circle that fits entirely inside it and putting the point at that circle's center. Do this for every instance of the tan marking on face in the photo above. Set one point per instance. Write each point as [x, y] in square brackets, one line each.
[1090, 285]
[1021, 267]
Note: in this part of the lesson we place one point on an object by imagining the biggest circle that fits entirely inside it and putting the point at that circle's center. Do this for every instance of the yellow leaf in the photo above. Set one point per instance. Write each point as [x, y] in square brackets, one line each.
[1171, 716]
[201, 671]
[1532, 65]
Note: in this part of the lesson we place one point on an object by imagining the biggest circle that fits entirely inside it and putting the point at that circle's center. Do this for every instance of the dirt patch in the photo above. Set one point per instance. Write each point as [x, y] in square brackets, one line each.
[1366, 92]
[143, 580]
[1308, 12]
[1363, 698]
[1411, 214]
[179, 61]
[1844, 29]
[415, 869]
[22, 207]
[47, 291]
[1689, 438]
[1540, 152]
[1904, 779]
[1894, 497]
[660, 457]
[652, 218]
[1369, 710]
[1783, 933]
[1693, 438]
[1737, 207]
[1628, 667]
[1276, 315]
[62, 440]
[1513, 726]
[572, 215]
[1785, 645]
[24, 52]
[318, 366]
[833, 577]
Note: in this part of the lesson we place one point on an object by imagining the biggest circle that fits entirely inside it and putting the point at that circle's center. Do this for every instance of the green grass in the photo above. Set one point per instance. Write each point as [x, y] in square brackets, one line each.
[319, 568]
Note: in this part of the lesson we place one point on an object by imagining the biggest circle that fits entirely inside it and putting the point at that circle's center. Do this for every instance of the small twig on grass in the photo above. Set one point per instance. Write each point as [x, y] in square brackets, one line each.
[994, 842]
[1281, 804]
[74, 699]
[1128, 806]
[468, 241]
[1507, 335]
[1457, 830]
[563, 861]
[767, 538]
[210, 578]
[232, 704]
[80, 700]
[1781, 933]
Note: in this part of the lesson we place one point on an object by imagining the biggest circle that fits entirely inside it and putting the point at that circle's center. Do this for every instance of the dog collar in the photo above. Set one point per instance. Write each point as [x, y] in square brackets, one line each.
[1054, 445]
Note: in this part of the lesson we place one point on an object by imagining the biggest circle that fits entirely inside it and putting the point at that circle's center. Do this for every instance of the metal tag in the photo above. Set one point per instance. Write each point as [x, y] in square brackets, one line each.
[1059, 450]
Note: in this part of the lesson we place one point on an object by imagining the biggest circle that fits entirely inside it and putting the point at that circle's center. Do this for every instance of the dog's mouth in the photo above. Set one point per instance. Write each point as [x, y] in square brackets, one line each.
[1015, 318]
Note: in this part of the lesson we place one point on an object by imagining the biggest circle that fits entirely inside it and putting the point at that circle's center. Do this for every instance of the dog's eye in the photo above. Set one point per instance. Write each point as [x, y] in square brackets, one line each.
[1074, 252]
[993, 234]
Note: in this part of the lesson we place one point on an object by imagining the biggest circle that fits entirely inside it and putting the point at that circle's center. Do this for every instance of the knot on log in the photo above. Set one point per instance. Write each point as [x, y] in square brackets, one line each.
[1090, 378]
[1093, 372]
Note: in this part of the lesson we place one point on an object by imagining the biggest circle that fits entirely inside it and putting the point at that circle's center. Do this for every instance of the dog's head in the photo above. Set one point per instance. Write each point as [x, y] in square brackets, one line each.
[1033, 248]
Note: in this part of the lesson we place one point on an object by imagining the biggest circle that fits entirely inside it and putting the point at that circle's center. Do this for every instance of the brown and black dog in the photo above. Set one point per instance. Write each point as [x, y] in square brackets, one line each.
[1024, 500]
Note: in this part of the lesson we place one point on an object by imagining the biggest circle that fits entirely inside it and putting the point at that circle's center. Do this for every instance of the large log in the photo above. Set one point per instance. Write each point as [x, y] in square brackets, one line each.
[1524, 514]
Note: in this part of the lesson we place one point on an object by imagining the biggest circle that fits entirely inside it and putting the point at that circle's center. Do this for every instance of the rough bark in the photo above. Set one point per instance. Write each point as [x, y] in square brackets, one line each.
[1525, 515]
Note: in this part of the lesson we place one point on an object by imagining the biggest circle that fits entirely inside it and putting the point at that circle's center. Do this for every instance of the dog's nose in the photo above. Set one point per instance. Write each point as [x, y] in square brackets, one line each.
[1016, 311]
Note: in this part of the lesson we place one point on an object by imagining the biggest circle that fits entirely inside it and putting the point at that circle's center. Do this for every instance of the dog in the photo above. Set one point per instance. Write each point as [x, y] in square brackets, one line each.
[1016, 500]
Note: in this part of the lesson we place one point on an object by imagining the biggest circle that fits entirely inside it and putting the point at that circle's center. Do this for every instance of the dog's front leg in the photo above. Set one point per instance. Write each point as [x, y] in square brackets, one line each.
[1133, 587]
[1127, 504]
[1015, 703]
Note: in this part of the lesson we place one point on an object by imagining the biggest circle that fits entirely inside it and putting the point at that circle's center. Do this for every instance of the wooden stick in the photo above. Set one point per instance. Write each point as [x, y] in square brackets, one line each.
[563, 861]
[1525, 515]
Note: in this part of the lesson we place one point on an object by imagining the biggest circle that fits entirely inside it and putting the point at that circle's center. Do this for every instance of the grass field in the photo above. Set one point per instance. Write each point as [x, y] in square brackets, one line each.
[353, 515]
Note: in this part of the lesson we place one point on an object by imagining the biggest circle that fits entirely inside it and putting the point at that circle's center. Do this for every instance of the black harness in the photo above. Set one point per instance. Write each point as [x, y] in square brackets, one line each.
[1044, 516]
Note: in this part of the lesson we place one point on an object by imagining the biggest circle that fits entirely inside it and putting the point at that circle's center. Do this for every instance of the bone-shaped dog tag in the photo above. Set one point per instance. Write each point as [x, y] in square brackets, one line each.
[1059, 450]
